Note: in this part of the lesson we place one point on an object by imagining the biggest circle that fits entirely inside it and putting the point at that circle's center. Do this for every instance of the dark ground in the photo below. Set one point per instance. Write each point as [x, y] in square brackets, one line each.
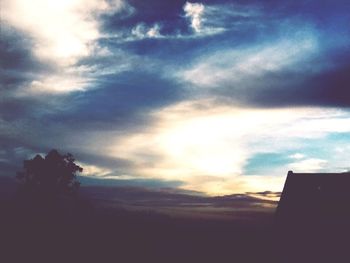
[104, 234]
[90, 229]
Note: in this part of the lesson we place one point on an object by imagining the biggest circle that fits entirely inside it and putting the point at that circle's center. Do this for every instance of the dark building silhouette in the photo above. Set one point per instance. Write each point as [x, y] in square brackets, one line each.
[313, 218]
[315, 198]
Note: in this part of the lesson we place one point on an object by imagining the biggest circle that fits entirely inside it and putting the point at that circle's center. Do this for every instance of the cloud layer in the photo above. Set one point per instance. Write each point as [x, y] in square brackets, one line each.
[218, 96]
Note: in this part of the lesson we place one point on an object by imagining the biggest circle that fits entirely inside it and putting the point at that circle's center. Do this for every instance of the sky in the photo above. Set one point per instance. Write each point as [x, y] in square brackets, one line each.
[218, 97]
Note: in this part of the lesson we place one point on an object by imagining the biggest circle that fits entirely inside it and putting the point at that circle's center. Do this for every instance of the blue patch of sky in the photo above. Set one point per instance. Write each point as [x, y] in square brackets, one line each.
[324, 148]
[262, 163]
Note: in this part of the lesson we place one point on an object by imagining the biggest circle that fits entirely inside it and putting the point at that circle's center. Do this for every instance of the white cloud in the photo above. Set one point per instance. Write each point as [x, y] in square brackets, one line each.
[242, 64]
[57, 84]
[308, 165]
[297, 156]
[141, 31]
[206, 20]
[62, 32]
[154, 31]
[194, 11]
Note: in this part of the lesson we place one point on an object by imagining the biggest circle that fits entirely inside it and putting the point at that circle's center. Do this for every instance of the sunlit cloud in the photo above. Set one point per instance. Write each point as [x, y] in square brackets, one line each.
[57, 84]
[93, 170]
[213, 185]
[63, 31]
[308, 165]
[200, 142]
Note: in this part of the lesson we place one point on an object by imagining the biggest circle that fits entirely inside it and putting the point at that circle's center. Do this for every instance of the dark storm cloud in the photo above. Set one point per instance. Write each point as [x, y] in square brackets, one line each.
[332, 87]
[19, 67]
[312, 9]
[140, 183]
[17, 63]
[143, 196]
[11, 108]
[121, 101]
[104, 161]
[12, 154]
[329, 88]
[15, 59]
[266, 194]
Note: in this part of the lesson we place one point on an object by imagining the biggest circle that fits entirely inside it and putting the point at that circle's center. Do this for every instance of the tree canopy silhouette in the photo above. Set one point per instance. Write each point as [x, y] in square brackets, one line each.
[53, 175]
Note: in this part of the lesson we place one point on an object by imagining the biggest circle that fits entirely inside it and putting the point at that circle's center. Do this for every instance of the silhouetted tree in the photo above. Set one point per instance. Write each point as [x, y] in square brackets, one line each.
[52, 176]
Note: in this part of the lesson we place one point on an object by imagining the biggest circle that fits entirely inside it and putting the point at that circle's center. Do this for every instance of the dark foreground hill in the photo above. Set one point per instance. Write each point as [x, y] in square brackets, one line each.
[98, 235]
[137, 225]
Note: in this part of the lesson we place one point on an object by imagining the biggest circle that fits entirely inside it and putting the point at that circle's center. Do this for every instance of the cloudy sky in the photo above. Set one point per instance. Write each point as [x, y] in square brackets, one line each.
[214, 96]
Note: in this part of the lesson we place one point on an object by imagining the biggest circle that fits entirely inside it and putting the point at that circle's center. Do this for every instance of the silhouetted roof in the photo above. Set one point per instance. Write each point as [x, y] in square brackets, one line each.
[315, 197]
